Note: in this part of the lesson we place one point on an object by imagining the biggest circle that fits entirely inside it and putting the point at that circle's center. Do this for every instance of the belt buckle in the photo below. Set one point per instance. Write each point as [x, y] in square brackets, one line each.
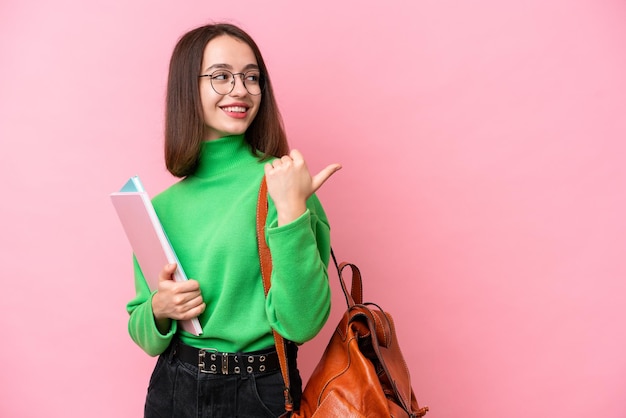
[213, 356]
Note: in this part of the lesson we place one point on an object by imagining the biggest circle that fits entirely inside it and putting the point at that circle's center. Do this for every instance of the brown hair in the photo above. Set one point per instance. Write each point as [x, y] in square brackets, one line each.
[184, 121]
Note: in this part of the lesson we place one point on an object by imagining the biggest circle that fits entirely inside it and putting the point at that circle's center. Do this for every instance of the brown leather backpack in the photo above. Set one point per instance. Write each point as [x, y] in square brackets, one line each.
[362, 373]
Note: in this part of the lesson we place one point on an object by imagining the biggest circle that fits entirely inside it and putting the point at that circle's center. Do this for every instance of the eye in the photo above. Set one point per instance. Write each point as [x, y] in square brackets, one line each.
[253, 77]
[221, 76]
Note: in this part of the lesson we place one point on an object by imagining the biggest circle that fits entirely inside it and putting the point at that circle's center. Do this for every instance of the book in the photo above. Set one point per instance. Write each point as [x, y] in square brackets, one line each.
[147, 238]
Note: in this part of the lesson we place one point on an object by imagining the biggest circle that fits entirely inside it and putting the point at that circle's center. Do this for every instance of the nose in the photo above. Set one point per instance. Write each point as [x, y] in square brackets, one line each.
[239, 88]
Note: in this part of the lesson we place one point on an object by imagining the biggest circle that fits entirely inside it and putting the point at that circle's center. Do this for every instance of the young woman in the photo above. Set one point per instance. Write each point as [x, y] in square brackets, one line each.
[223, 133]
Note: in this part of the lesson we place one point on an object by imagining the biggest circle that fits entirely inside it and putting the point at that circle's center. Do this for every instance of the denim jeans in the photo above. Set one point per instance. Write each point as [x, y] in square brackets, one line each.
[179, 390]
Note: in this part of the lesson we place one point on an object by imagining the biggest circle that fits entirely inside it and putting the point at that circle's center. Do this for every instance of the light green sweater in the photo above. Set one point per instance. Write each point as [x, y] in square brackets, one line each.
[210, 218]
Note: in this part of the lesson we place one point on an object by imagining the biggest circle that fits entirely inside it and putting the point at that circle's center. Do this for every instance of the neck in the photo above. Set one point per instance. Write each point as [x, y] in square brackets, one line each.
[222, 154]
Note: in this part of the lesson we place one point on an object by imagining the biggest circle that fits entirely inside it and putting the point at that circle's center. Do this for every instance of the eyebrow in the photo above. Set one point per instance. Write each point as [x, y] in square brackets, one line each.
[230, 67]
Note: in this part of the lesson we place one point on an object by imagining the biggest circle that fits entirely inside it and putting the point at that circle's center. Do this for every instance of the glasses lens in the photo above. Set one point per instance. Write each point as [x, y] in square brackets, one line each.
[252, 81]
[222, 82]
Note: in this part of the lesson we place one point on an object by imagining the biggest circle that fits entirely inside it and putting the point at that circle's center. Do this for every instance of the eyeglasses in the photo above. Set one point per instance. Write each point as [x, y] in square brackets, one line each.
[223, 81]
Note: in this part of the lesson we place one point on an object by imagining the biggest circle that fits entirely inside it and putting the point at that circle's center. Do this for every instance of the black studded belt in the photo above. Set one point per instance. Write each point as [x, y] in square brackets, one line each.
[212, 361]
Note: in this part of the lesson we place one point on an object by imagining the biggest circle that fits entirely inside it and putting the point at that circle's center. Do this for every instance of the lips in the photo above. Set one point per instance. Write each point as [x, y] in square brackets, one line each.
[236, 110]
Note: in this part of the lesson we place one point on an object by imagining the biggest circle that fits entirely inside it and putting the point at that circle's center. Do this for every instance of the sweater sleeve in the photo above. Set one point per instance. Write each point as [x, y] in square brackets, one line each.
[141, 325]
[298, 303]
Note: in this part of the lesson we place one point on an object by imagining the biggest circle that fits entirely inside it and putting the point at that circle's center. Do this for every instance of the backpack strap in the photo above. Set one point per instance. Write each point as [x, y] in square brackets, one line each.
[265, 258]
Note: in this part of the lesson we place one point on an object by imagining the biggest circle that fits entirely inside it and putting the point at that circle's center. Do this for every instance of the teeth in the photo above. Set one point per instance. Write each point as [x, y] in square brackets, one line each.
[238, 109]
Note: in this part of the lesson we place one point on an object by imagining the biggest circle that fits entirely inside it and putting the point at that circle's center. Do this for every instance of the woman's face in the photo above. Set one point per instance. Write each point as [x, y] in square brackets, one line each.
[232, 113]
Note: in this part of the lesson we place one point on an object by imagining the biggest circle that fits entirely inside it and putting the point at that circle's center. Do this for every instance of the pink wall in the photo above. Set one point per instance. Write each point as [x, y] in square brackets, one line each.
[482, 193]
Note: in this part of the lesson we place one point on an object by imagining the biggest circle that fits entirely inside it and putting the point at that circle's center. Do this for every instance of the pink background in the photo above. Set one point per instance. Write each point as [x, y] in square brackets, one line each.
[482, 195]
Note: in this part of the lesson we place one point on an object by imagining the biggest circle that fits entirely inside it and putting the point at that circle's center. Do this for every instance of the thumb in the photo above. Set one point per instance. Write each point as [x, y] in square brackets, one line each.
[168, 272]
[321, 177]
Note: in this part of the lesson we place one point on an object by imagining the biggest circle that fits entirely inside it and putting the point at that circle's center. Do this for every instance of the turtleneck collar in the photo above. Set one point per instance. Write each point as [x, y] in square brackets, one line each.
[223, 154]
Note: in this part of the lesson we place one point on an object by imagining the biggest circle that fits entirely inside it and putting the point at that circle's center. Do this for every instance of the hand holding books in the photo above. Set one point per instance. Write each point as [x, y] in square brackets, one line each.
[175, 300]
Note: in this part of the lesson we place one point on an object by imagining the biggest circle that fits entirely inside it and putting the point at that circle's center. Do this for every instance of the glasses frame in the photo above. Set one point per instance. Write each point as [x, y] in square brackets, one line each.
[232, 86]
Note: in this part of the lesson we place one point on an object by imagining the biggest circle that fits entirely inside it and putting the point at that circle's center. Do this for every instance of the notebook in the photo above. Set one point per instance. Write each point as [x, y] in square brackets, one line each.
[147, 238]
